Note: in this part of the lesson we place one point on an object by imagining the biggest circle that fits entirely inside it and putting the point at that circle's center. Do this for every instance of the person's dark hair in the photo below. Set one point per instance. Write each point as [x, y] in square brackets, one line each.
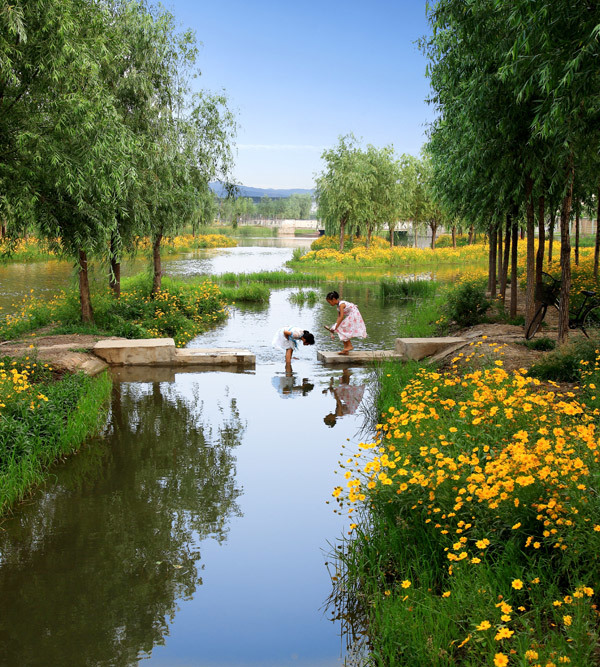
[308, 337]
[332, 295]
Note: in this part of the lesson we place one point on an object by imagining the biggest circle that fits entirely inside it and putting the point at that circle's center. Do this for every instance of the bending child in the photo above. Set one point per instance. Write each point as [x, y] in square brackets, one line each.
[287, 339]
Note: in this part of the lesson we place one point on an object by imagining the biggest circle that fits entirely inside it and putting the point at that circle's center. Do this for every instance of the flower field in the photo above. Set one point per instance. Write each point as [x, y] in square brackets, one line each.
[180, 310]
[476, 520]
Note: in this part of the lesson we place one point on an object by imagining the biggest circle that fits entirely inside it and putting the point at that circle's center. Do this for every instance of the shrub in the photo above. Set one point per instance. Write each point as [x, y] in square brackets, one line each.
[566, 363]
[466, 303]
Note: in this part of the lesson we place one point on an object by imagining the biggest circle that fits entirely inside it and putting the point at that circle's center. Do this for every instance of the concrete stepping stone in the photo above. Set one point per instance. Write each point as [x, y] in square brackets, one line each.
[162, 352]
[357, 356]
[419, 348]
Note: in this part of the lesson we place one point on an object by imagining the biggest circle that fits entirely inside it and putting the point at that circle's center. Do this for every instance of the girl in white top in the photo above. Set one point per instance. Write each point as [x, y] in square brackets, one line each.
[287, 338]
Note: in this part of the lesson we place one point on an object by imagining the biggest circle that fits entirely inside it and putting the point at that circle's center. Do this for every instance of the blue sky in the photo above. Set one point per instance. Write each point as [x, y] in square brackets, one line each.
[299, 75]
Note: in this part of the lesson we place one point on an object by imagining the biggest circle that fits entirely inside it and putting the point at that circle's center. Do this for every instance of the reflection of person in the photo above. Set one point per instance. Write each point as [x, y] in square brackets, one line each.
[287, 339]
[347, 398]
[349, 323]
[285, 385]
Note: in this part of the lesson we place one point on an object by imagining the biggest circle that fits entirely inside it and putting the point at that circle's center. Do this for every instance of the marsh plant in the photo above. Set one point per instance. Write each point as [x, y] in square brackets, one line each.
[390, 288]
[302, 298]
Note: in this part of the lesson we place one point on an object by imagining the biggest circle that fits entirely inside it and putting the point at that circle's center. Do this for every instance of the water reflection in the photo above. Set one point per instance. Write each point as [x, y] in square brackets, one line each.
[94, 569]
[289, 385]
[347, 397]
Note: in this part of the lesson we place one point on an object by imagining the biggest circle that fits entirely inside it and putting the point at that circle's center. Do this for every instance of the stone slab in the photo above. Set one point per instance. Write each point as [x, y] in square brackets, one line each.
[169, 373]
[223, 356]
[357, 356]
[419, 348]
[140, 352]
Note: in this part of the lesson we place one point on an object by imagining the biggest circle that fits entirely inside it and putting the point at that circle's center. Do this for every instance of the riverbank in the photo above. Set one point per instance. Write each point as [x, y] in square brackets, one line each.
[46, 414]
[477, 493]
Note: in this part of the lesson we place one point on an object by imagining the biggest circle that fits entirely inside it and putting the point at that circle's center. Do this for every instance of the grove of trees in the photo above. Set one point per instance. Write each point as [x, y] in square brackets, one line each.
[516, 87]
[102, 139]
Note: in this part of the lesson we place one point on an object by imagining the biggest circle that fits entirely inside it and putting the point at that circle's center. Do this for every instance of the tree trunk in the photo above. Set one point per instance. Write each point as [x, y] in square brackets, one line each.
[454, 236]
[565, 261]
[597, 245]
[539, 258]
[530, 215]
[369, 233]
[499, 253]
[522, 233]
[577, 211]
[157, 276]
[471, 232]
[391, 237]
[114, 278]
[492, 255]
[342, 230]
[551, 235]
[433, 226]
[506, 260]
[85, 299]
[416, 234]
[513, 265]
[114, 273]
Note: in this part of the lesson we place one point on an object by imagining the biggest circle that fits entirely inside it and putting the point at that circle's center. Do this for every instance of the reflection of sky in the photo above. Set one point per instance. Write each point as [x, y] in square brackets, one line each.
[263, 589]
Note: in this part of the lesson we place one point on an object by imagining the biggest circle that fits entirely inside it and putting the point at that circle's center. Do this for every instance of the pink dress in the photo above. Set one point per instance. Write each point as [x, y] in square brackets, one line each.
[353, 325]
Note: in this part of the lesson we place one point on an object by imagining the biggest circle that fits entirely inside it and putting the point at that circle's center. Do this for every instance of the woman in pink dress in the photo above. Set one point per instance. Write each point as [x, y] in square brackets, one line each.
[349, 324]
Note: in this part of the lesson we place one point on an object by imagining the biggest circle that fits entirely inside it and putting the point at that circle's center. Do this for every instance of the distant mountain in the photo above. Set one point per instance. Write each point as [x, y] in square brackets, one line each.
[246, 191]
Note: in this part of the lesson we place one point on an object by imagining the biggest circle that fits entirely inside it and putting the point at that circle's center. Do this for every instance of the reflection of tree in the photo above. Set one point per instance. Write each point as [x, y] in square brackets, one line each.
[92, 572]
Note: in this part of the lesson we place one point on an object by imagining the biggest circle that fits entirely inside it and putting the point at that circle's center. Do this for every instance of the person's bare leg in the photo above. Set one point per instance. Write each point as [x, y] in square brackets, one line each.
[288, 356]
[347, 347]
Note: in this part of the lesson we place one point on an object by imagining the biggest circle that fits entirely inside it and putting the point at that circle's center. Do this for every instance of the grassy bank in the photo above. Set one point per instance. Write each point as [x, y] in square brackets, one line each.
[475, 520]
[181, 310]
[42, 418]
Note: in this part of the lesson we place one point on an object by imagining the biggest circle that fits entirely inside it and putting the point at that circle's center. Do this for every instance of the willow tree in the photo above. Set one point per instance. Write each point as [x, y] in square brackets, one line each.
[64, 152]
[342, 189]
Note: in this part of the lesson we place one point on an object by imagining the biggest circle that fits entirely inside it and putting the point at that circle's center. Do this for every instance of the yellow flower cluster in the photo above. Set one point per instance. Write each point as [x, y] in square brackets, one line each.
[376, 255]
[514, 448]
[16, 385]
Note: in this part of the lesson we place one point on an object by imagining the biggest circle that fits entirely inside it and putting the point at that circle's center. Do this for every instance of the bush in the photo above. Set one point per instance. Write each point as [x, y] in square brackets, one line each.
[541, 344]
[467, 304]
[567, 363]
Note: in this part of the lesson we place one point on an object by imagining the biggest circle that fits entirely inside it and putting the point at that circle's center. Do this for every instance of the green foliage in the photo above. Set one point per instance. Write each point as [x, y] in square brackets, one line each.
[543, 344]
[564, 364]
[301, 298]
[253, 292]
[406, 289]
[181, 310]
[466, 303]
[49, 419]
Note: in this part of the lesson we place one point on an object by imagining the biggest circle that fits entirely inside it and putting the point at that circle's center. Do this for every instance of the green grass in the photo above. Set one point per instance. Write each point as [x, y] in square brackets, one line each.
[407, 289]
[181, 311]
[240, 230]
[394, 576]
[564, 364]
[301, 298]
[421, 318]
[274, 278]
[543, 344]
[251, 293]
[32, 438]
